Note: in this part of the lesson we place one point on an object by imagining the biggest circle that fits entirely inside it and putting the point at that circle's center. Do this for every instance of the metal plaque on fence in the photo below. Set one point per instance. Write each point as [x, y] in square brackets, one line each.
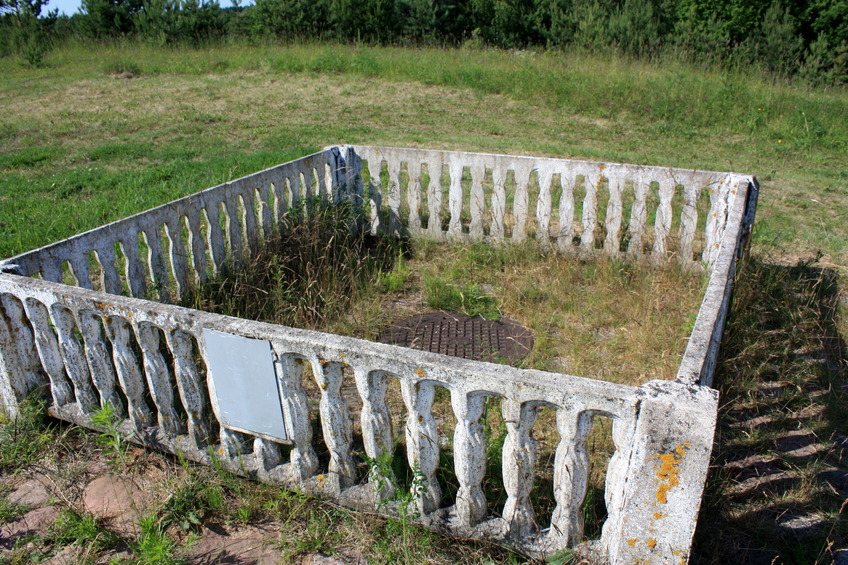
[245, 385]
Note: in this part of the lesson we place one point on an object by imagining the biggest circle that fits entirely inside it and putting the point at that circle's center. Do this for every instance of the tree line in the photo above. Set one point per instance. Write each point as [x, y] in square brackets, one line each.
[802, 38]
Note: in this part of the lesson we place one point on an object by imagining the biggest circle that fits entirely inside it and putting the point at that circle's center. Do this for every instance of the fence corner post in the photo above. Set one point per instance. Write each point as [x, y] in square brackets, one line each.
[665, 476]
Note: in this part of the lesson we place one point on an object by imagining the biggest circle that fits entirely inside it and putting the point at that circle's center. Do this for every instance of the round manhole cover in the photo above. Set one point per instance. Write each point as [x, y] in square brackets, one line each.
[499, 341]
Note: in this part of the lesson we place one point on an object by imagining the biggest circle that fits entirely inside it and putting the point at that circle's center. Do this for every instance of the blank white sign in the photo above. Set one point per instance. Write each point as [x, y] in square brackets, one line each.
[245, 384]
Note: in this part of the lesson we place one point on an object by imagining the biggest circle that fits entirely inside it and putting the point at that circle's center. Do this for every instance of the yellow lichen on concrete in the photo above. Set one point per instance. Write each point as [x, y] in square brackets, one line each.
[652, 543]
[632, 542]
[668, 472]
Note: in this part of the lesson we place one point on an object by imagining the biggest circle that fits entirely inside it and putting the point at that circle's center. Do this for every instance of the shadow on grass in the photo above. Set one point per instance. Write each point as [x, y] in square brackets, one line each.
[778, 484]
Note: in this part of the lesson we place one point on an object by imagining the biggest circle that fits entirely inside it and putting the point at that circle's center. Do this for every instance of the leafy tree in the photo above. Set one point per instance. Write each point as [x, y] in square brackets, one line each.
[109, 18]
[24, 32]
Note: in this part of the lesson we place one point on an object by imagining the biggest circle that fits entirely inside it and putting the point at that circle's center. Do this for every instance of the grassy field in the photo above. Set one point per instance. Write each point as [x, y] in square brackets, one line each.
[97, 134]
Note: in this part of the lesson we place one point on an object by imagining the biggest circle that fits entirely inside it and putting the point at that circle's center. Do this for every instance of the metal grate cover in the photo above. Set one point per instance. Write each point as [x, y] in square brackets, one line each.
[499, 341]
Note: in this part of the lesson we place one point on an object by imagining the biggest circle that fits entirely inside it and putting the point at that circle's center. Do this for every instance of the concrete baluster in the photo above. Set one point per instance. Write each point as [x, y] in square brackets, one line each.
[434, 197]
[478, 199]
[519, 466]
[335, 421]
[376, 425]
[688, 221]
[393, 192]
[177, 253]
[521, 203]
[129, 373]
[158, 379]
[100, 361]
[216, 240]
[571, 476]
[592, 180]
[110, 281]
[455, 195]
[156, 263]
[81, 270]
[544, 204]
[497, 230]
[48, 351]
[422, 442]
[190, 386]
[662, 224]
[469, 457]
[612, 242]
[413, 196]
[638, 214]
[566, 210]
[303, 461]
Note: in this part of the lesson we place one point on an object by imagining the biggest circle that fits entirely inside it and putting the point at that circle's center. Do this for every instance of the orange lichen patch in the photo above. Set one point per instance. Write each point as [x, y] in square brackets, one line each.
[420, 372]
[668, 472]
[632, 542]
[659, 515]
[652, 543]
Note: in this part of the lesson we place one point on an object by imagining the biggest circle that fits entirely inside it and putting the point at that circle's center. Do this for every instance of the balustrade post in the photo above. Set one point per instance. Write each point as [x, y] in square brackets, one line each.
[571, 476]
[658, 492]
[469, 455]
[159, 380]
[48, 351]
[376, 424]
[335, 421]
[422, 441]
[100, 362]
[519, 466]
[190, 387]
[129, 374]
[302, 461]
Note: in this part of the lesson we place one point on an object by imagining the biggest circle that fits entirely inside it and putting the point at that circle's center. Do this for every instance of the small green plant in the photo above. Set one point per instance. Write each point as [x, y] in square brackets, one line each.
[9, 511]
[561, 557]
[404, 502]
[154, 546]
[469, 298]
[110, 438]
[394, 280]
[82, 529]
[23, 438]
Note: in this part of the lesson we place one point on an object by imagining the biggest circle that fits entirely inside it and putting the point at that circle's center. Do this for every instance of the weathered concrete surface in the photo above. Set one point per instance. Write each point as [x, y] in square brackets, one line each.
[665, 477]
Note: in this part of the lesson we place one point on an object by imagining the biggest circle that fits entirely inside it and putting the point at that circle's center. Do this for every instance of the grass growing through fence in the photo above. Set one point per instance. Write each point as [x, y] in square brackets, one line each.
[306, 275]
[188, 501]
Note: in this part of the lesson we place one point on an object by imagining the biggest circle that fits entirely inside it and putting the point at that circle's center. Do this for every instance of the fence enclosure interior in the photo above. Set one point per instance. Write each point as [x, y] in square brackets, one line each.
[91, 319]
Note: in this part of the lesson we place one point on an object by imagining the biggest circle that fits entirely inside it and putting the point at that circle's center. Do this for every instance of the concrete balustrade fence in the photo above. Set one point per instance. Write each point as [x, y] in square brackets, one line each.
[89, 320]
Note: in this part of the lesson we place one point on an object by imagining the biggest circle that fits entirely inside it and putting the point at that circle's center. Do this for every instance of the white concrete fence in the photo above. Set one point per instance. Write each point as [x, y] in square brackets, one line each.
[79, 324]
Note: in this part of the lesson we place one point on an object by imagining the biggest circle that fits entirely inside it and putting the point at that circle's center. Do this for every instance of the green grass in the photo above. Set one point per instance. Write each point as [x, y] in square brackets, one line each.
[782, 372]
[97, 148]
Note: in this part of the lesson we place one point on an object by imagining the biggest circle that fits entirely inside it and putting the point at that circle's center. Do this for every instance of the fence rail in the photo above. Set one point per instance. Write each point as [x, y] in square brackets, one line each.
[580, 206]
[86, 345]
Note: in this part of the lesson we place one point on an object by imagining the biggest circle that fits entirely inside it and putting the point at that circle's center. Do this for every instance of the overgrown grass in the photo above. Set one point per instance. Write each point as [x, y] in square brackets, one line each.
[774, 493]
[188, 500]
[77, 139]
[307, 274]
